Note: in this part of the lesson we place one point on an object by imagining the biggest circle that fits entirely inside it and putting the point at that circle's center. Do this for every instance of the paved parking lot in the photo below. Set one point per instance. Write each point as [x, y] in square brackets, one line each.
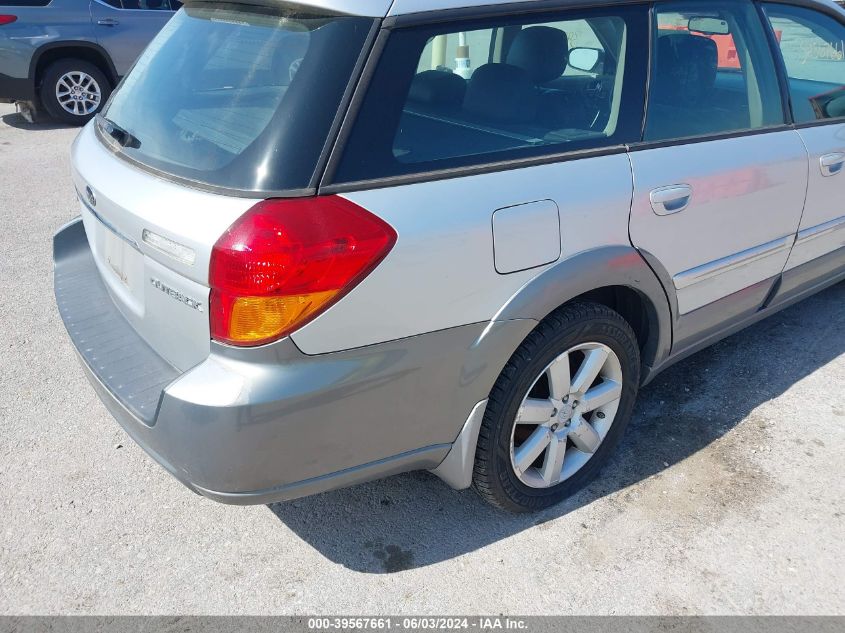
[728, 496]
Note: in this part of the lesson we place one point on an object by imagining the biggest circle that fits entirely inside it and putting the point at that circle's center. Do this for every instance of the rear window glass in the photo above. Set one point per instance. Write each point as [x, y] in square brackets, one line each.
[236, 97]
[500, 89]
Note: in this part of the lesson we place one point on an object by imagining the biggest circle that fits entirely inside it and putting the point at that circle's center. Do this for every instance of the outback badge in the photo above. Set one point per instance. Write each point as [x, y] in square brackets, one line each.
[191, 303]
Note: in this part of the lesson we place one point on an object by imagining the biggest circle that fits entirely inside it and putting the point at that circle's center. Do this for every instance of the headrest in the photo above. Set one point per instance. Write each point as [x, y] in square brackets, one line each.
[686, 68]
[438, 87]
[501, 93]
[542, 51]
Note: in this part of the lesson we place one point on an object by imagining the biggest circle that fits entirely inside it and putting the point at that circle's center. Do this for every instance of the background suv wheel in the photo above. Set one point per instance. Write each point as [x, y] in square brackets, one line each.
[73, 90]
[558, 409]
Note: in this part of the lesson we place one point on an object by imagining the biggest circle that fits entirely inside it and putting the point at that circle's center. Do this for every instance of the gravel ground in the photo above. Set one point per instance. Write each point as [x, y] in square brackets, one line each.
[726, 498]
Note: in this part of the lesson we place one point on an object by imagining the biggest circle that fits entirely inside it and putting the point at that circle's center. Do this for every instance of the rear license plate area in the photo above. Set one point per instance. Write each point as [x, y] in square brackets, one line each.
[123, 266]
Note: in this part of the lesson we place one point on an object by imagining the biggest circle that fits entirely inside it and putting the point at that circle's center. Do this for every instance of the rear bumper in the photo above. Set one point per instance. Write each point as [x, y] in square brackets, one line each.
[249, 426]
[16, 89]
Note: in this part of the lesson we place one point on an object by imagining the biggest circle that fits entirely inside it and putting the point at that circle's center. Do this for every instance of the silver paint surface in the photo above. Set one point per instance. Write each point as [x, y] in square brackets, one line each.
[746, 192]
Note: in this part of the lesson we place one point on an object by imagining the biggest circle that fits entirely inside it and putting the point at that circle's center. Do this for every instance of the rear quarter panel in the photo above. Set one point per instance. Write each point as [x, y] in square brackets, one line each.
[441, 272]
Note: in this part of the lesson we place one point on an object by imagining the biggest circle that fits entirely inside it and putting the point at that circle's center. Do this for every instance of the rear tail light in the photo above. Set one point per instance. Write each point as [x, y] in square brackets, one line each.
[7, 19]
[285, 261]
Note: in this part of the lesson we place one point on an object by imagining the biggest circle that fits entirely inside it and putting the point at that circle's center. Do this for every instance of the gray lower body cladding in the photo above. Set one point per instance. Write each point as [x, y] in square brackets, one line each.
[271, 423]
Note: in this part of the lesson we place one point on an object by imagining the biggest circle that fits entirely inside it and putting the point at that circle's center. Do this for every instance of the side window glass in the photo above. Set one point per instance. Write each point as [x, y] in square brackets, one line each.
[113, 3]
[813, 49]
[147, 5]
[712, 71]
[520, 87]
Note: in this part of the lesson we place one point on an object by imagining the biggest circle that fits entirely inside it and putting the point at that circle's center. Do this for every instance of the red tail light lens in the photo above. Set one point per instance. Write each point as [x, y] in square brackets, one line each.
[285, 261]
[7, 19]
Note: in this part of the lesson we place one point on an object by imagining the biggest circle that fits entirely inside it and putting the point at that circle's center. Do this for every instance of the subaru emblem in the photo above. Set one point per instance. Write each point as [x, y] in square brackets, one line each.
[92, 200]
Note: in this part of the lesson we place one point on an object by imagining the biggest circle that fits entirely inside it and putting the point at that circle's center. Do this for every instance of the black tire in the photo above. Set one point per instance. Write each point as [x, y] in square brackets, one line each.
[573, 324]
[50, 79]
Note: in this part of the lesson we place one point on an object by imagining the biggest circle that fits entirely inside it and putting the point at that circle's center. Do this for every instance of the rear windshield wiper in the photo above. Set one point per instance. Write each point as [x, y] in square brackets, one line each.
[124, 137]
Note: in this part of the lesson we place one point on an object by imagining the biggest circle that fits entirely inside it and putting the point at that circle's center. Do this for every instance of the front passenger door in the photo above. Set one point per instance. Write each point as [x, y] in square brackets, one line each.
[719, 179]
[813, 48]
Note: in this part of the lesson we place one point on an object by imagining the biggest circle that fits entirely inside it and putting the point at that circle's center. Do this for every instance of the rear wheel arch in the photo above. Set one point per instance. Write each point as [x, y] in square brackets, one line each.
[617, 277]
[637, 309]
[86, 51]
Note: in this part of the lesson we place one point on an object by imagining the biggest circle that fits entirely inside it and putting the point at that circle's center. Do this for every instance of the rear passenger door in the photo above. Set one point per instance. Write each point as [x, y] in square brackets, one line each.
[125, 27]
[719, 178]
[813, 48]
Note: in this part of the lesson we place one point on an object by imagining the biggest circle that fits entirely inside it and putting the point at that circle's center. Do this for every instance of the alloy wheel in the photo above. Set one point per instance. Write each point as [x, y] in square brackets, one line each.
[78, 93]
[566, 415]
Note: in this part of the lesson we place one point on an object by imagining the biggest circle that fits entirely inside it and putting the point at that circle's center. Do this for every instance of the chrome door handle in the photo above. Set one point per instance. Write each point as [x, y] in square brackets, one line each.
[832, 164]
[672, 199]
[108, 22]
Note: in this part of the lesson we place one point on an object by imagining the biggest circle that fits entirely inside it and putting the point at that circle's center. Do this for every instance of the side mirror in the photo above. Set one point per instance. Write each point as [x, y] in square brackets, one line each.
[708, 26]
[586, 59]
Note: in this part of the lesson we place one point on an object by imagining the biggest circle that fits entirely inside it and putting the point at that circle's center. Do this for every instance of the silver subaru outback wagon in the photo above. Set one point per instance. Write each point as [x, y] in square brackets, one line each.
[330, 241]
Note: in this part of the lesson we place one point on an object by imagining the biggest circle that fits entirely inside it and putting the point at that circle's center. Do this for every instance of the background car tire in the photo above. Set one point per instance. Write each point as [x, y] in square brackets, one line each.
[494, 475]
[74, 83]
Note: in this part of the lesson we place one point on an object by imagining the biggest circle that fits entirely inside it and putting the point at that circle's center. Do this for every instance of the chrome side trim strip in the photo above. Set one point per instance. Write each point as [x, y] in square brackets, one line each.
[108, 224]
[731, 262]
[813, 232]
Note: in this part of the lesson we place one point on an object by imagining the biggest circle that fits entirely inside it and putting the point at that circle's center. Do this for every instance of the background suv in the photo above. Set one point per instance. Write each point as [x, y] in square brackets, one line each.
[67, 55]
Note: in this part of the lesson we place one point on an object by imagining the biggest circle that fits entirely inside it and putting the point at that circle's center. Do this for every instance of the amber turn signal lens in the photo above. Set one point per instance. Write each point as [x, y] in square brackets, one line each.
[258, 319]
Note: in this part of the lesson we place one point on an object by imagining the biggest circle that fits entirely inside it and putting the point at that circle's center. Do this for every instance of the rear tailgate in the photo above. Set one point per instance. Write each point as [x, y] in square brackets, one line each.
[164, 296]
[230, 104]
